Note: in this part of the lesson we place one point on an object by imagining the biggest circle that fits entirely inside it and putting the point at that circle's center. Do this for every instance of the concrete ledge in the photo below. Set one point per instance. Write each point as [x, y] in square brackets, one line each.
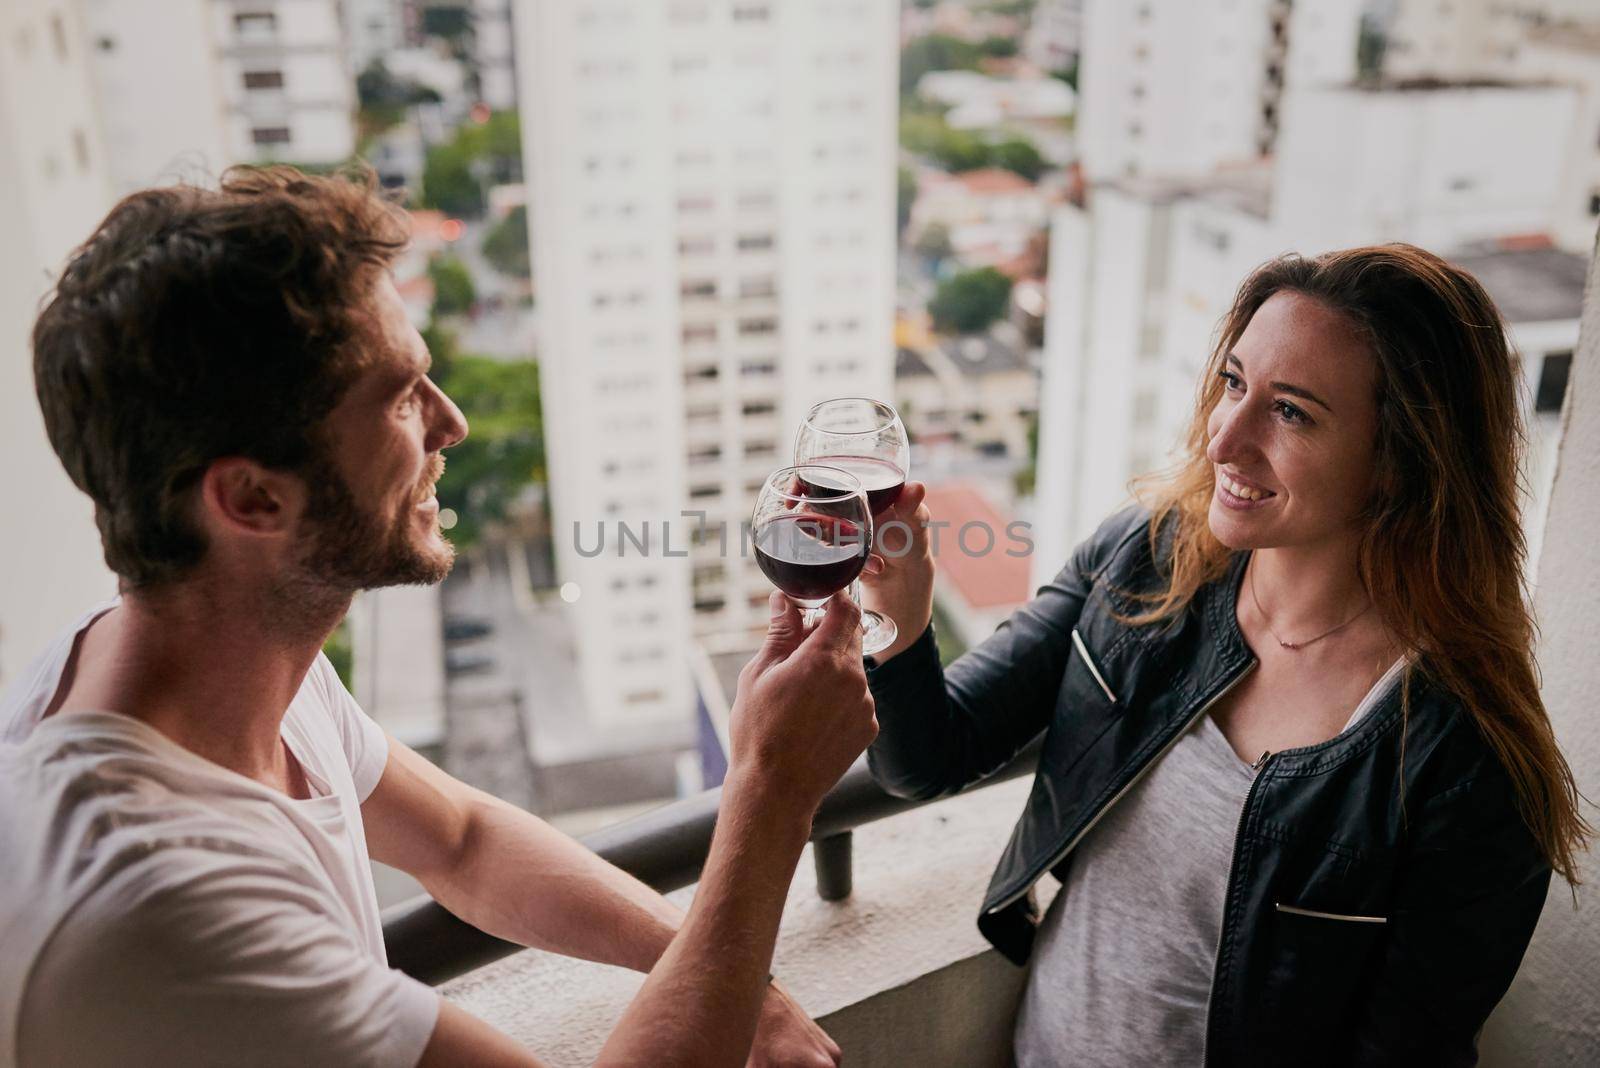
[897, 973]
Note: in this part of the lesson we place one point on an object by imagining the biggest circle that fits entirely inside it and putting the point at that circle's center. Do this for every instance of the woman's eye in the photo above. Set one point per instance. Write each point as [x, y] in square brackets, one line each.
[1291, 414]
[1230, 380]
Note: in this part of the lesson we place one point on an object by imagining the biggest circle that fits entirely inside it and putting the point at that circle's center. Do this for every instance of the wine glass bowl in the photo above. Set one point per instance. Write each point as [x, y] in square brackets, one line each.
[862, 436]
[812, 531]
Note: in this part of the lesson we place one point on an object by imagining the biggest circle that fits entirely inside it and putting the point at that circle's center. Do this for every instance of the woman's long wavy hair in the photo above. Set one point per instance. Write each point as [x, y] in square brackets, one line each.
[1442, 549]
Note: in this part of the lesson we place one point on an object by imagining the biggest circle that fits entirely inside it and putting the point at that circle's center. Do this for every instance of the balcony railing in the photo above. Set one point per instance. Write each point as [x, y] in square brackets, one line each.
[665, 849]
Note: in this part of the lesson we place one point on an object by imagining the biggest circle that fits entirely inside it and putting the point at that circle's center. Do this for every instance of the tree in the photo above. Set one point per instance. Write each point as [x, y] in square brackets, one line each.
[341, 654]
[935, 52]
[1068, 74]
[905, 196]
[506, 246]
[455, 172]
[970, 301]
[954, 150]
[453, 291]
[1019, 157]
[448, 181]
[504, 452]
[999, 47]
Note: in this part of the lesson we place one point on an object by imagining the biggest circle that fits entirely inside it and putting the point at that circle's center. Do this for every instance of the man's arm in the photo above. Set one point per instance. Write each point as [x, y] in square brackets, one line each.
[508, 872]
[514, 876]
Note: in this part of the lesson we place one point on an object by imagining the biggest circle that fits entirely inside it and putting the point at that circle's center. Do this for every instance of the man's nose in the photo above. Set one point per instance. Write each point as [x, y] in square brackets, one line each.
[449, 426]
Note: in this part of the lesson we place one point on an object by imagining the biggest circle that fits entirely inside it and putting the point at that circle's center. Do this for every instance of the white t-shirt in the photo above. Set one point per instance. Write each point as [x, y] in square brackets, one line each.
[159, 909]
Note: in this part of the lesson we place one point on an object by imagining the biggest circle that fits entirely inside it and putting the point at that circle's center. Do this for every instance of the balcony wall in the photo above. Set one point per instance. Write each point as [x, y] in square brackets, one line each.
[897, 973]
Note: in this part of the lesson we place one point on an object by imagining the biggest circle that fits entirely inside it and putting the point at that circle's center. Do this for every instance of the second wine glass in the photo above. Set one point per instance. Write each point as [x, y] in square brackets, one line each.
[862, 436]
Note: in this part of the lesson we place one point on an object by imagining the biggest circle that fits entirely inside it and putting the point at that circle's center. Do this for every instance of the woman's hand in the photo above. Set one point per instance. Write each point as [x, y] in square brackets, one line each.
[898, 579]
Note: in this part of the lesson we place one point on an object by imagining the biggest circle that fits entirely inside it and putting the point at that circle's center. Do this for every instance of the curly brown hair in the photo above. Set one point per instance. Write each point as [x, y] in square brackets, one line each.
[202, 323]
[1442, 548]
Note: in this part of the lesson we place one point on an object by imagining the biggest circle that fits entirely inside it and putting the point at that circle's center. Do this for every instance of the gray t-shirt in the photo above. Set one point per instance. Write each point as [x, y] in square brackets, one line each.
[1122, 968]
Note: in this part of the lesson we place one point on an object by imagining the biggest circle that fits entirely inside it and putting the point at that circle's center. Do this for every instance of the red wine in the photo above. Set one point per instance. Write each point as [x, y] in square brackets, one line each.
[810, 557]
[882, 480]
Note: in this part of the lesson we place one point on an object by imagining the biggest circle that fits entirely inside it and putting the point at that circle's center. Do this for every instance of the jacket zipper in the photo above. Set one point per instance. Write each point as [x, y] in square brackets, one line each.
[1259, 767]
[1083, 651]
[1072, 844]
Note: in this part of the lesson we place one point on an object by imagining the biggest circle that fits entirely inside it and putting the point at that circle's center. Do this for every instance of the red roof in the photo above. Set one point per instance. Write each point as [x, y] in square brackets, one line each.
[989, 181]
[984, 574]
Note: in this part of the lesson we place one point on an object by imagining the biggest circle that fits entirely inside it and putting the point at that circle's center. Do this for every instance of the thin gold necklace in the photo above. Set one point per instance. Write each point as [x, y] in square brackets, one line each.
[1300, 644]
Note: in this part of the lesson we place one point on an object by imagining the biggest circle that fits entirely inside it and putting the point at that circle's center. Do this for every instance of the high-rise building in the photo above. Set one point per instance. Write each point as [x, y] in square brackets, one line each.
[1553, 42]
[713, 228]
[260, 80]
[1055, 32]
[53, 168]
[1141, 279]
[494, 53]
[1175, 88]
[162, 119]
[372, 29]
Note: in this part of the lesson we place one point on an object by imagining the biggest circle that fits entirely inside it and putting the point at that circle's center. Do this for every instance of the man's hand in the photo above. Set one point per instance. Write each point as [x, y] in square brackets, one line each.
[787, 1038]
[803, 713]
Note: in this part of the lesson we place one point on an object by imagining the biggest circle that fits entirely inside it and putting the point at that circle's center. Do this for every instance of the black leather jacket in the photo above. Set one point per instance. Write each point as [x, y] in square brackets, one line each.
[1358, 927]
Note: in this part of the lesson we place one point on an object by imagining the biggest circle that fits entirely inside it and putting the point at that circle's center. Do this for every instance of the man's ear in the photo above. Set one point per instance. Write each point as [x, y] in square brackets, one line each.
[244, 497]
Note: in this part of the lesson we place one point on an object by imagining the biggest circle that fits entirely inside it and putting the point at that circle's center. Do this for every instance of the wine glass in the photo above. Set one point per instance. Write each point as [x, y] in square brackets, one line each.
[862, 436]
[866, 438]
[812, 531]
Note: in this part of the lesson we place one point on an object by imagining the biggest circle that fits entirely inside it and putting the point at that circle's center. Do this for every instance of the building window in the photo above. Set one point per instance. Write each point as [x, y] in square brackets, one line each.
[691, 205]
[757, 201]
[58, 35]
[705, 454]
[755, 242]
[759, 408]
[80, 148]
[254, 25]
[1553, 382]
[757, 327]
[764, 286]
[751, 12]
[696, 246]
[758, 368]
[759, 450]
[263, 79]
[1594, 203]
[699, 287]
[270, 135]
[709, 373]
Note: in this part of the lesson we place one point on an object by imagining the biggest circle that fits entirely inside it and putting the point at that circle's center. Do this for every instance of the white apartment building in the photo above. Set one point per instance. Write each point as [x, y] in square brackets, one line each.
[1054, 34]
[372, 30]
[53, 168]
[1140, 280]
[1180, 87]
[1552, 42]
[286, 81]
[712, 217]
[258, 80]
[164, 120]
[494, 52]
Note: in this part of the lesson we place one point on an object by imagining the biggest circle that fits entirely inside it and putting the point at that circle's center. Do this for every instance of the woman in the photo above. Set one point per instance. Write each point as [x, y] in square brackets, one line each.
[1295, 776]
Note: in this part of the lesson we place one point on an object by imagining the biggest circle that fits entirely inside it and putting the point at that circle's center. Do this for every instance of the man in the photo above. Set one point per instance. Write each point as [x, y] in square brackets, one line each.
[188, 795]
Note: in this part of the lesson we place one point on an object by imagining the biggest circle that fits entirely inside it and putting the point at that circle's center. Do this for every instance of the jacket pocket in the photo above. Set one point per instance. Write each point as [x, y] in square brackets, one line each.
[1342, 917]
[1082, 651]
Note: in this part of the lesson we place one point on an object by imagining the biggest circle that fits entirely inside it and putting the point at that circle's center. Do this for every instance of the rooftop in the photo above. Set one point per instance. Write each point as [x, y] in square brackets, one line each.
[983, 354]
[993, 181]
[1529, 284]
[985, 579]
[908, 363]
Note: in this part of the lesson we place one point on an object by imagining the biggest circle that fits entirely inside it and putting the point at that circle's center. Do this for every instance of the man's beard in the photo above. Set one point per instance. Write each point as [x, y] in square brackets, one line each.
[351, 548]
